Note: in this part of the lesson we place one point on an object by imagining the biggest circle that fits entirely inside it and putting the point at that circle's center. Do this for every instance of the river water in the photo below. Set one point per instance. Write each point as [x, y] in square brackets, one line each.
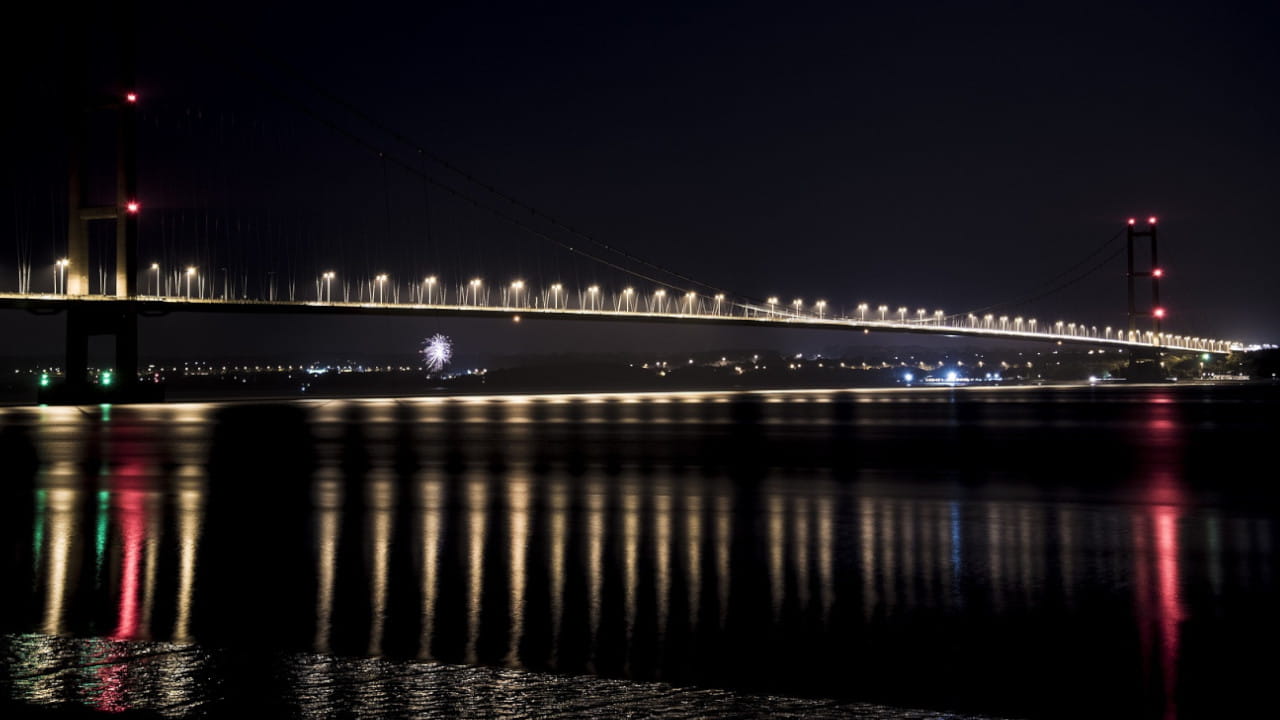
[999, 552]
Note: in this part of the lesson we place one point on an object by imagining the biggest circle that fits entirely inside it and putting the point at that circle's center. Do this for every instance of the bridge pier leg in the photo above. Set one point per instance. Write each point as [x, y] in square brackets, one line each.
[76, 370]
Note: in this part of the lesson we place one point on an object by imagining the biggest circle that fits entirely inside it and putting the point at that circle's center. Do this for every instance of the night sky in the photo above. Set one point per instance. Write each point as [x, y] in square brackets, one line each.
[936, 155]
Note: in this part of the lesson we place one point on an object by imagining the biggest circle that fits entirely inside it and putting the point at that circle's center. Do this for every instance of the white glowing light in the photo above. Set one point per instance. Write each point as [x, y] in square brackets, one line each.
[437, 352]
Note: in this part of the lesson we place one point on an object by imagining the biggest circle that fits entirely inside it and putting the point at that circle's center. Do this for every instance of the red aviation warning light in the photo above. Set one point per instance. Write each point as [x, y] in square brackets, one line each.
[131, 97]
[1132, 221]
[1151, 220]
[132, 206]
[1158, 312]
[1158, 272]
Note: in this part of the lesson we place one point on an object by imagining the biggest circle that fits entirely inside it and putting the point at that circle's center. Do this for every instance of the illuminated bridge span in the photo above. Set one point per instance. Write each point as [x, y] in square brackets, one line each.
[594, 303]
[210, 235]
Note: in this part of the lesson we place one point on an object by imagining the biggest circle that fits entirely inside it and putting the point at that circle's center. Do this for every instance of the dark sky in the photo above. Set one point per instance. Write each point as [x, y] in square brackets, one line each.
[939, 155]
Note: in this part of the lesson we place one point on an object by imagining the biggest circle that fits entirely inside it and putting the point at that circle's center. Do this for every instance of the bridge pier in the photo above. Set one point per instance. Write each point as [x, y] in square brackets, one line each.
[1144, 365]
[120, 321]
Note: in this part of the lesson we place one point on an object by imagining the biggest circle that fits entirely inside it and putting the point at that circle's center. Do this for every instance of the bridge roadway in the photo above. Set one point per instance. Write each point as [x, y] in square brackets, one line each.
[736, 314]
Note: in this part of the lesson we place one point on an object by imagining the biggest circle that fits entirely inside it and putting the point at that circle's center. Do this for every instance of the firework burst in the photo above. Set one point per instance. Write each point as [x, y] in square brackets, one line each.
[437, 351]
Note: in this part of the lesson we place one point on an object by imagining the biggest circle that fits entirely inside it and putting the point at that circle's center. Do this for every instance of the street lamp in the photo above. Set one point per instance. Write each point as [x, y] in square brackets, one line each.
[883, 309]
[475, 291]
[937, 317]
[555, 295]
[628, 296]
[862, 311]
[822, 305]
[592, 293]
[328, 285]
[191, 271]
[920, 314]
[60, 275]
[902, 314]
[773, 305]
[155, 267]
[516, 287]
[797, 304]
[659, 299]
[430, 284]
[719, 300]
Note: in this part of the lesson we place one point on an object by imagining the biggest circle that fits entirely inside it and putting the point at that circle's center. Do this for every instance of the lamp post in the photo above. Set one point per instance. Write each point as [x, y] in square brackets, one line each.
[773, 306]
[862, 311]
[155, 267]
[883, 309]
[191, 271]
[60, 275]
[822, 305]
[719, 302]
[430, 284]
[328, 285]
[659, 299]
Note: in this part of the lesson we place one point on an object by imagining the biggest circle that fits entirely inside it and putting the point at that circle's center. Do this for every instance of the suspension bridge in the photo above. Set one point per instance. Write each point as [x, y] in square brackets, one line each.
[242, 262]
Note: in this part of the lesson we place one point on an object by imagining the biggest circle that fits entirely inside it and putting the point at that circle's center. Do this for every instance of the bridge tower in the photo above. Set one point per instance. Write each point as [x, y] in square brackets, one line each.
[122, 101]
[117, 317]
[1152, 273]
[1144, 364]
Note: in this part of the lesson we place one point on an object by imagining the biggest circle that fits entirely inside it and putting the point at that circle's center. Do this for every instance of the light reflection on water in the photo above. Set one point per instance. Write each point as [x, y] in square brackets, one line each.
[918, 551]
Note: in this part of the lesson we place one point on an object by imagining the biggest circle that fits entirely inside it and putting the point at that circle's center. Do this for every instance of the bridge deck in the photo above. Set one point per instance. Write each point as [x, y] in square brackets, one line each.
[742, 315]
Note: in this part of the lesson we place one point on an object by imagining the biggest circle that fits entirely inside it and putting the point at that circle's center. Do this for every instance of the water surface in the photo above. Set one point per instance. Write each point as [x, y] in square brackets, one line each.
[995, 552]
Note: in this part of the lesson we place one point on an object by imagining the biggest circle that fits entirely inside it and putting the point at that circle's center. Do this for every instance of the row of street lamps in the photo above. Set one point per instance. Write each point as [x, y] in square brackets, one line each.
[516, 295]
